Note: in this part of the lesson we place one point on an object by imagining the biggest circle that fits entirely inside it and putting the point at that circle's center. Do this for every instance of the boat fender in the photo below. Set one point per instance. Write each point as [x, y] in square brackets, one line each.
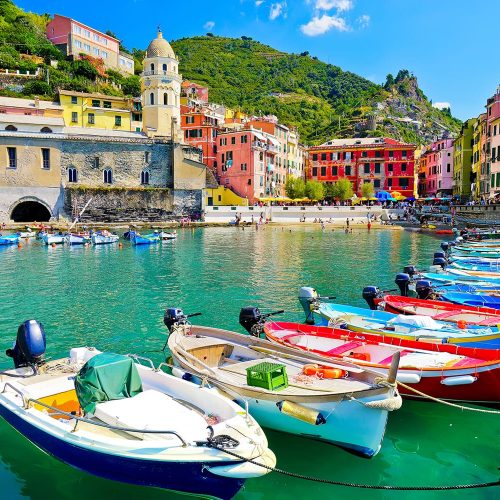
[179, 373]
[408, 378]
[459, 380]
[300, 412]
[462, 324]
[323, 371]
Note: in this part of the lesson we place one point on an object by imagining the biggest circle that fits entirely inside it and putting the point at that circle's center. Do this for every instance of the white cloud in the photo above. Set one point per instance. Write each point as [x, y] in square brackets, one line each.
[277, 9]
[209, 25]
[320, 25]
[258, 3]
[441, 105]
[340, 5]
[364, 21]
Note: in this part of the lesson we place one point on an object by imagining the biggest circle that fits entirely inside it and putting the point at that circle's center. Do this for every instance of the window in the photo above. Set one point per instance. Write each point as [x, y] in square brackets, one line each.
[364, 154]
[403, 183]
[146, 156]
[74, 99]
[118, 121]
[315, 172]
[46, 130]
[12, 155]
[152, 67]
[376, 183]
[378, 154]
[261, 180]
[323, 156]
[86, 47]
[95, 50]
[315, 157]
[72, 175]
[389, 182]
[164, 67]
[493, 155]
[106, 104]
[76, 29]
[108, 176]
[390, 167]
[367, 168]
[152, 99]
[348, 170]
[233, 140]
[91, 118]
[11, 128]
[403, 154]
[74, 117]
[391, 154]
[104, 54]
[165, 99]
[243, 166]
[334, 171]
[189, 120]
[377, 168]
[249, 182]
[403, 167]
[46, 158]
[96, 162]
[145, 177]
[323, 171]
[244, 139]
[86, 33]
[223, 142]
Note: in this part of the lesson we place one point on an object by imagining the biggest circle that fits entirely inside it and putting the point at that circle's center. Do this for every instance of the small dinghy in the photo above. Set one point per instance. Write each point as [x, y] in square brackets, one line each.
[104, 238]
[147, 239]
[442, 371]
[53, 239]
[113, 417]
[346, 405]
[77, 239]
[167, 235]
[9, 239]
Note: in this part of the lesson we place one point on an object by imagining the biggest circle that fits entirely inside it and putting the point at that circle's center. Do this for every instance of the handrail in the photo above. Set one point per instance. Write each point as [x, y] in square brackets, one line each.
[15, 390]
[136, 358]
[103, 424]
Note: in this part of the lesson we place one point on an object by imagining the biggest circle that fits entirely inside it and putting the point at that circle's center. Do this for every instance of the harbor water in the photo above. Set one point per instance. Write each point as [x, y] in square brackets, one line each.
[113, 298]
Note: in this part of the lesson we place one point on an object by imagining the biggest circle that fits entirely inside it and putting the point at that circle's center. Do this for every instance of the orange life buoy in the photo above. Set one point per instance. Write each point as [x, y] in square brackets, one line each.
[323, 371]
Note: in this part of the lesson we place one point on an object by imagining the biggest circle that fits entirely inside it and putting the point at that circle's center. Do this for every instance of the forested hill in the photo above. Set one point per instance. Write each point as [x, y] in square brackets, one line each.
[320, 99]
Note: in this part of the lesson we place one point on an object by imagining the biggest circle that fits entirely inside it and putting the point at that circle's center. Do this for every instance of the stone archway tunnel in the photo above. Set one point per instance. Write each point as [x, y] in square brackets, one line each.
[30, 211]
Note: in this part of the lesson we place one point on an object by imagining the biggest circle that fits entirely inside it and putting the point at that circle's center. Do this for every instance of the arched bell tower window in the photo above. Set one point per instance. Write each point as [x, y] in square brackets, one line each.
[165, 99]
[164, 67]
[152, 67]
[151, 99]
[145, 177]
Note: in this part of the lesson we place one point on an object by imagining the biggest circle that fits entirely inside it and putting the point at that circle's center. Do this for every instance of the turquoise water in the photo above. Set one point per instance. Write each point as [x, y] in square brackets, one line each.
[114, 299]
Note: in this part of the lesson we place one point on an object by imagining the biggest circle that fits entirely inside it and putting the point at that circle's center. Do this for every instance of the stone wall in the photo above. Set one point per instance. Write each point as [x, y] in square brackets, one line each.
[50, 197]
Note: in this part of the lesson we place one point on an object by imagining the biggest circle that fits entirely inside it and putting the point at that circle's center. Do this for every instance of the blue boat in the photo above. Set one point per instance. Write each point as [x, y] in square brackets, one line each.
[472, 299]
[442, 281]
[108, 415]
[147, 239]
[9, 239]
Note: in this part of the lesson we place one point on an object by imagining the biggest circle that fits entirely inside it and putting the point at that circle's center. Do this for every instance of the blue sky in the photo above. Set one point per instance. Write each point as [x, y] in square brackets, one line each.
[450, 45]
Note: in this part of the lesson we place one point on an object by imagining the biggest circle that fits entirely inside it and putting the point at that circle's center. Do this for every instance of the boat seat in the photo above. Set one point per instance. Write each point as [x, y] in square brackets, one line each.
[154, 410]
[344, 348]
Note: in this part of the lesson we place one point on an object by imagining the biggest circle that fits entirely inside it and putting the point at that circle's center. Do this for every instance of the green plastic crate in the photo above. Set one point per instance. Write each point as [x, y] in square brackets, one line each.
[270, 376]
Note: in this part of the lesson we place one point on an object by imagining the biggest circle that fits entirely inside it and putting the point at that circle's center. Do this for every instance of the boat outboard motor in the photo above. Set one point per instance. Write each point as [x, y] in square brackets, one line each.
[403, 282]
[308, 298]
[444, 246]
[370, 293]
[439, 255]
[173, 316]
[439, 261]
[29, 348]
[410, 270]
[249, 317]
[451, 243]
[423, 289]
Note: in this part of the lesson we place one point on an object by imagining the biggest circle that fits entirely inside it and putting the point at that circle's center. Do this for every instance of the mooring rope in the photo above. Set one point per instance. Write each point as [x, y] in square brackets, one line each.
[447, 403]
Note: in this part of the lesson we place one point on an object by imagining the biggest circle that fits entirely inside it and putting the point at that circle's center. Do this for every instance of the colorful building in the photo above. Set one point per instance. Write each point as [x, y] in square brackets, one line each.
[193, 92]
[436, 169]
[462, 161]
[492, 147]
[478, 157]
[387, 163]
[74, 38]
[96, 111]
[245, 159]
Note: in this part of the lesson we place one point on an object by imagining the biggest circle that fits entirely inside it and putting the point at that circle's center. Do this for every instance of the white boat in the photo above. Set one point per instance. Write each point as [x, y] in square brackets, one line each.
[167, 235]
[53, 239]
[350, 412]
[77, 239]
[101, 239]
[111, 416]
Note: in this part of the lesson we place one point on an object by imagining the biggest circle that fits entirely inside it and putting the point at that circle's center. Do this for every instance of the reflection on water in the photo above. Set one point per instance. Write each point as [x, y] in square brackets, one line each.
[114, 299]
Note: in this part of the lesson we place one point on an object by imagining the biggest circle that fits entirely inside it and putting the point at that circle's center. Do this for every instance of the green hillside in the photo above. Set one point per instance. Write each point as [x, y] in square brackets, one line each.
[320, 99]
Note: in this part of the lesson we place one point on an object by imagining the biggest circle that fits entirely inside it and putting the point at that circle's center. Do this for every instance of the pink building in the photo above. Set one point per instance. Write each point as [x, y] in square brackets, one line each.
[436, 169]
[493, 144]
[74, 38]
[244, 158]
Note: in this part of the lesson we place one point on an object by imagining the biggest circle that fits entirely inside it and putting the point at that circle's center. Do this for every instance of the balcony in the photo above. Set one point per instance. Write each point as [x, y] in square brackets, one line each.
[168, 74]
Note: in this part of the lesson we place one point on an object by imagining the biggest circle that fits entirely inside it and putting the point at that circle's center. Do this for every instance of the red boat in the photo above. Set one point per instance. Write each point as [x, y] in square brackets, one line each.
[443, 311]
[443, 371]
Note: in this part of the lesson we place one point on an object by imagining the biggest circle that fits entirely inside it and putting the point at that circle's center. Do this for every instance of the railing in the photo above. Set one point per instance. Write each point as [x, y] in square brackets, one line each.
[170, 74]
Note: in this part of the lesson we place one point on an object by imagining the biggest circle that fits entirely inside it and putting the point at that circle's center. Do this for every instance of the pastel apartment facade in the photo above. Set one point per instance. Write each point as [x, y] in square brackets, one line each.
[387, 163]
[436, 169]
[462, 160]
[492, 149]
[74, 38]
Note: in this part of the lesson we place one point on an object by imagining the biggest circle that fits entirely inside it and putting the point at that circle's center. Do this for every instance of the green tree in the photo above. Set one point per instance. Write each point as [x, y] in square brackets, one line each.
[315, 190]
[342, 189]
[295, 187]
[85, 69]
[37, 87]
[131, 86]
[389, 81]
[367, 190]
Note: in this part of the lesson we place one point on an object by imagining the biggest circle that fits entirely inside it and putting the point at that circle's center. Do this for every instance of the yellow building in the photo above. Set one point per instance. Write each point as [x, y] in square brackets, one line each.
[478, 139]
[96, 111]
[223, 196]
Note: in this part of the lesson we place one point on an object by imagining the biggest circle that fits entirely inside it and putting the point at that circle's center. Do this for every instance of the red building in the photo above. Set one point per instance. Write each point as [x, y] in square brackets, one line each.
[195, 91]
[387, 163]
[245, 159]
[200, 124]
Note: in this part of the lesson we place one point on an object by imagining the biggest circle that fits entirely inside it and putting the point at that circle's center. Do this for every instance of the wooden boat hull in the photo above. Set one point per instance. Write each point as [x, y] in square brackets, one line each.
[474, 379]
[349, 423]
[98, 239]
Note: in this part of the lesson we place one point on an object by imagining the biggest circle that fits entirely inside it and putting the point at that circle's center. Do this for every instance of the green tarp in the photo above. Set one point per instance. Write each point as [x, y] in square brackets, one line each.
[106, 377]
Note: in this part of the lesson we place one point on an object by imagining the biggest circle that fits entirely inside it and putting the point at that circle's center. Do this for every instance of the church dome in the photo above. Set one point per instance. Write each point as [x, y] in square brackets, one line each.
[159, 47]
